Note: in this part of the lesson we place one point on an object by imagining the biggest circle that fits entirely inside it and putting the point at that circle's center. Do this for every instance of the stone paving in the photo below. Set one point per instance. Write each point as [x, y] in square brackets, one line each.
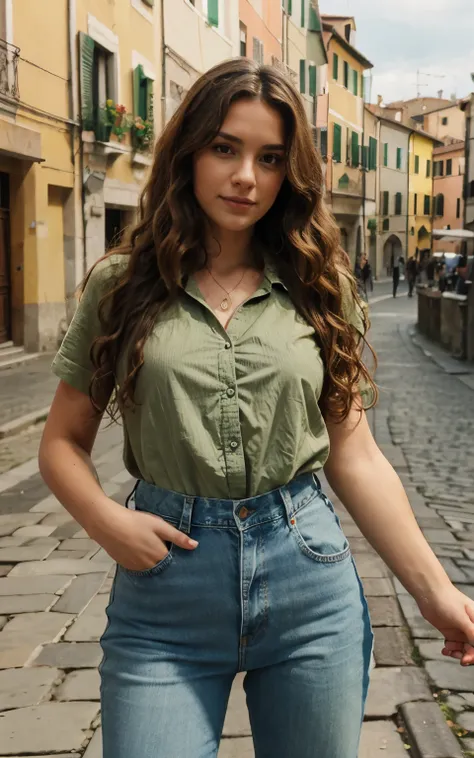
[55, 582]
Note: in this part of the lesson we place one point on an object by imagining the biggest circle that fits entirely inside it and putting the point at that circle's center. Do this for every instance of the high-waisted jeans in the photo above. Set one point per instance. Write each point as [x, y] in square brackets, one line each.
[271, 590]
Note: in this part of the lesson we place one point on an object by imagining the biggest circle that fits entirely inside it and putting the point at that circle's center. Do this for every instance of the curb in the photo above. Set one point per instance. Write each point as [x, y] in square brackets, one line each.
[23, 422]
[445, 361]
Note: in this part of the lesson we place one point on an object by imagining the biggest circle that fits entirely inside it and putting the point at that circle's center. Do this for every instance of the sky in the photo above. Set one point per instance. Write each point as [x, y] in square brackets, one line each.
[401, 37]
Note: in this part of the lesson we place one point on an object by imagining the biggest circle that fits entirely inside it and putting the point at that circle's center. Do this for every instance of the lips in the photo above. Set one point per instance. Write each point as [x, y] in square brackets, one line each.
[239, 200]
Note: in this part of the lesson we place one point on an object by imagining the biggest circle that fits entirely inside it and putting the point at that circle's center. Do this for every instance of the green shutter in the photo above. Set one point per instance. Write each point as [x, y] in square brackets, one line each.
[324, 142]
[290, 7]
[385, 154]
[355, 149]
[149, 2]
[346, 75]
[399, 158]
[362, 87]
[386, 200]
[213, 12]
[335, 67]
[428, 168]
[355, 82]
[303, 20]
[86, 47]
[386, 225]
[337, 143]
[426, 209]
[417, 164]
[302, 76]
[398, 204]
[372, 153]
[313, 23]
[365, 157]
[312, 81]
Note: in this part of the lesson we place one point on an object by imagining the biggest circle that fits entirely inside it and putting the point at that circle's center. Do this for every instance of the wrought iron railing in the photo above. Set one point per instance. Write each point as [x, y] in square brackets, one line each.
[9, 57]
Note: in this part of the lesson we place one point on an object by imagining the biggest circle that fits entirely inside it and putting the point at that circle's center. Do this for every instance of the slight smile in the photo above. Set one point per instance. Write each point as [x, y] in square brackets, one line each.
[238, 202]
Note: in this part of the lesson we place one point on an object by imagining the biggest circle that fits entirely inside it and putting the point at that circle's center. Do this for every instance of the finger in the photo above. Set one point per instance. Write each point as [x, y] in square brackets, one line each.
[169, 533]
[452, 645]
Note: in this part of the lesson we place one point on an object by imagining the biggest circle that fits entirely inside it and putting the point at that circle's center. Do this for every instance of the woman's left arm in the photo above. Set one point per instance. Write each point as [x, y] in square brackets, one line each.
[373, 494]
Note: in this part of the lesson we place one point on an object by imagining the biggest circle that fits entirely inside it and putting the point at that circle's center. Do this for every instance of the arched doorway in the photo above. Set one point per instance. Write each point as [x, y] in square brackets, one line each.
[423, 243]
[391, 250]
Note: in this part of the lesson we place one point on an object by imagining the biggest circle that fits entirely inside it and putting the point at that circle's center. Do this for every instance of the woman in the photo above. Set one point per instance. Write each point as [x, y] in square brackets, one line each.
[227, 330]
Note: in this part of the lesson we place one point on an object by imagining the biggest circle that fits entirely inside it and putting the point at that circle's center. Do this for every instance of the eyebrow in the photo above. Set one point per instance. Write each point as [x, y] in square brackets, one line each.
[238, 141]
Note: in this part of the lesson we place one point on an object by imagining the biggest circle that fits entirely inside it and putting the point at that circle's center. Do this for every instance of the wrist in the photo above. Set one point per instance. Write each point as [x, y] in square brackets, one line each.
[103, 514]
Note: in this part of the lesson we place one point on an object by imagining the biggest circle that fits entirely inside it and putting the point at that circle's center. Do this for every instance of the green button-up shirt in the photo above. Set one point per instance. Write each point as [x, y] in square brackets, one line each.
[221, 413]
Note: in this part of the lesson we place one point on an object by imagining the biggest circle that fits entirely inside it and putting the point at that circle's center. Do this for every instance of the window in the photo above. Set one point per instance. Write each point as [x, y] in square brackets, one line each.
[289, 7]
[142, 95]
[458, 207]
[213, 12]
[426, 205]
[399, 157]
[323, 145]
[98, 84]
[343, 182]
[386, 225]
[444, 121]
[398, 204]
[337, 143]
[312, 81]
[365, 157]
[258, 50]
[346, 75]
[355, 83]
[415, 204]
[303, 20]
[302, 76]
[362, 86]
[313, 23]
[428, 168]
[417, 164]
[449, 167]
[355, 149]
[347, 32]
[335, 67]
[385, 154]
[385, 202]
[243, 40]
[438, 168]
[439, 205]
[372, 153]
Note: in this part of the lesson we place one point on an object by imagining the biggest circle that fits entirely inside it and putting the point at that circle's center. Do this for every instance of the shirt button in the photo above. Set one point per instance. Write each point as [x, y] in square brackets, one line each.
[234, 444]
[230, 392]
[227, 345]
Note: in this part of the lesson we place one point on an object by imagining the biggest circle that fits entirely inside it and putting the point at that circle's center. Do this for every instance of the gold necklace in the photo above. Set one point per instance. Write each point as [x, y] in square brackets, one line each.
[224, 304]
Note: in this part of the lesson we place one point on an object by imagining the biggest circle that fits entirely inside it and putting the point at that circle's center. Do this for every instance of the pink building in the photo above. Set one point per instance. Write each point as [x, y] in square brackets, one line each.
[448, 203]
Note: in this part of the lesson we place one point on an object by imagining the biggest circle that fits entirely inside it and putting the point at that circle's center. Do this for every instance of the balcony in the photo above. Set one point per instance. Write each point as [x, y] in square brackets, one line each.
[9, 57]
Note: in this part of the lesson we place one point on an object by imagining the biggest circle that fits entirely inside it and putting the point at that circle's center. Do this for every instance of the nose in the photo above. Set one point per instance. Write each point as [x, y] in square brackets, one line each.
[245, 173]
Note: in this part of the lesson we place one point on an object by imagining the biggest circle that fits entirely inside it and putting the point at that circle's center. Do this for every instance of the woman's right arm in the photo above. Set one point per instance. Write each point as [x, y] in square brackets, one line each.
[134, 539]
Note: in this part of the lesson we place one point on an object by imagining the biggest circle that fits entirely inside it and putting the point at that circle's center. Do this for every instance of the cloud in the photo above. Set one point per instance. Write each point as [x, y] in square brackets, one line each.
[409, 12]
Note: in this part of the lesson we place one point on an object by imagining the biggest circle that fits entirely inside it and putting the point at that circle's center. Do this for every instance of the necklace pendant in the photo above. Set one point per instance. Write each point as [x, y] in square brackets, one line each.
[224, 304]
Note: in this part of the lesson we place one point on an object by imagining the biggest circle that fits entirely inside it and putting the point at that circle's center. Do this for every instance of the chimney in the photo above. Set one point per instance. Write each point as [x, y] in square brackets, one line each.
[379, 100]
[440, 94]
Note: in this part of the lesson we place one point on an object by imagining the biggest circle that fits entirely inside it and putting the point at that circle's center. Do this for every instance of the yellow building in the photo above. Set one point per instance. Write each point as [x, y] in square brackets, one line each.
[68, 183]
[420, 202]
[346, 150]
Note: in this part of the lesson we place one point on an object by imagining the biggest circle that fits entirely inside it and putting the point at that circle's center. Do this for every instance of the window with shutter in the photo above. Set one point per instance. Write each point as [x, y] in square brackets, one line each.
[428, 168]
[355, 149]
[313, 20]
[415, 204]
[365, 157]
[399, 157]
[324, 142]
[398, 204]
[142, 94]
[302, 76]
[385, 154]
[290, 7]
[439, 205]
[303, 20]
[372, 153]
[449, 167]
[426, 205]
[87, 45]
[417, 164]
[213, 12]
[385, 204]
[346, 75]
[386, 225]
[312, 81]
[355, 83]
[256, 49]
[335, 67]
[337, 146]
[458, 207]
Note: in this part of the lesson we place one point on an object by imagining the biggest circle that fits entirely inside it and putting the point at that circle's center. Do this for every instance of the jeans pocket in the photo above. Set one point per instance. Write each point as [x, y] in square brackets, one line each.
[162, 564]
[318, 532]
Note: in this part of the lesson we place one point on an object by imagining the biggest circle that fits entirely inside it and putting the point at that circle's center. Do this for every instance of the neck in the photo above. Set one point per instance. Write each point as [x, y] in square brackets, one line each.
[228, 251]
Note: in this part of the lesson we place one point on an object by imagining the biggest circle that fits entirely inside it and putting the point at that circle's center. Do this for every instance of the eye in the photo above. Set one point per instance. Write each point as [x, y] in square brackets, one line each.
[272, 159]
[222, 149]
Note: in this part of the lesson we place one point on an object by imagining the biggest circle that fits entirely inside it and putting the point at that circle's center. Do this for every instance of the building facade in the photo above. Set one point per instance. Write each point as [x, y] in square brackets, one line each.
[393, 193]
[447, 123]
[346, 153]
[260, 30]
[448, 189]
[420, 204]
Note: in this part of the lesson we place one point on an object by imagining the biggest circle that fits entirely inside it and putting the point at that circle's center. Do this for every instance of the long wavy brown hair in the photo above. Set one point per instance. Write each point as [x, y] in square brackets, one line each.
[167, 243]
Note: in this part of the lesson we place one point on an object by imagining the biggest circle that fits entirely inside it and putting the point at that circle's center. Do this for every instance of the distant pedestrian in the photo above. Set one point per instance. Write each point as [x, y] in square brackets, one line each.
[366, 275]
[412, 272]
[430, 271]
[397, 262]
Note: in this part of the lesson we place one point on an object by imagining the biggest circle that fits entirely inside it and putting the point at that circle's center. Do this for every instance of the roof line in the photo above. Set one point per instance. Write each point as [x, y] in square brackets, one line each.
[347, 45]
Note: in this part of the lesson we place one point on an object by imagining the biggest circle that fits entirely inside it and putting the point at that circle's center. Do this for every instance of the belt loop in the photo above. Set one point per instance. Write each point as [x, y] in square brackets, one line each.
[186, 515]
[289, 507]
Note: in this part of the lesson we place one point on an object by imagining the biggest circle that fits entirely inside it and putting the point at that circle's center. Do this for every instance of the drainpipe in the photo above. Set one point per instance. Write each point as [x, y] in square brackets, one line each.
[433, 209]
[364, 185]
[407, 251]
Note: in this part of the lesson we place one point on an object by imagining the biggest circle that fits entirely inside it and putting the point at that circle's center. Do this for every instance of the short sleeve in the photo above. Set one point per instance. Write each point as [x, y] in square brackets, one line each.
[72, 362]
[355, 312]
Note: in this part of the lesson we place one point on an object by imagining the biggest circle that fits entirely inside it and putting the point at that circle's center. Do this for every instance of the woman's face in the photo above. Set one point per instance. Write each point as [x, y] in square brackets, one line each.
[238, 177]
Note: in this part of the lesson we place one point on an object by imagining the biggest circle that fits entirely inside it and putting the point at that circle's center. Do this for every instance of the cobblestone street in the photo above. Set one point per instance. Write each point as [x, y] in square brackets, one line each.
[56, 580]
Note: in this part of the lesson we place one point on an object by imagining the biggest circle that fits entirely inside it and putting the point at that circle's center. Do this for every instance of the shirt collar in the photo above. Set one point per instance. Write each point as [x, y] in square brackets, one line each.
[271, 273]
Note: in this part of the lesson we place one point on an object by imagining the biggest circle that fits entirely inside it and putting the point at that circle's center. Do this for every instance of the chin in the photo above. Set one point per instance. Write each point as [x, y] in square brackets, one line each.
[234, 224]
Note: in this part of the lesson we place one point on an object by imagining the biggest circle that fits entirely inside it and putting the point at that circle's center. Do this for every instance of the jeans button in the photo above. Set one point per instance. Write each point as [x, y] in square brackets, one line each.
[230, 392]
[234, 444]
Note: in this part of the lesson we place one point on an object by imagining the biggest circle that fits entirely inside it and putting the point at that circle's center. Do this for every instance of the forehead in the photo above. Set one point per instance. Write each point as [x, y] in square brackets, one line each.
[254, 121]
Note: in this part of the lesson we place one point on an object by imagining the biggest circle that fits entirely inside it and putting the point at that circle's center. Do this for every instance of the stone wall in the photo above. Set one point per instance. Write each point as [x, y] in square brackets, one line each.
[445, 319]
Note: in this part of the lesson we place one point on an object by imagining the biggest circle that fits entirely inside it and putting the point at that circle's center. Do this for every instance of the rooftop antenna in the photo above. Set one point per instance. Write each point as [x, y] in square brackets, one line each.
[418, 83]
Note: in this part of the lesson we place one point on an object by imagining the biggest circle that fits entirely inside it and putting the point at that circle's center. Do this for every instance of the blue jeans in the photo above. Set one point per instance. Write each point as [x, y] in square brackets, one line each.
[271, 590]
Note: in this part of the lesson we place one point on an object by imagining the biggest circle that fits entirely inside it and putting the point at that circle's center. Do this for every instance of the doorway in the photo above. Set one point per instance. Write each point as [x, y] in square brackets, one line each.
[115, 223]
[5, 259]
